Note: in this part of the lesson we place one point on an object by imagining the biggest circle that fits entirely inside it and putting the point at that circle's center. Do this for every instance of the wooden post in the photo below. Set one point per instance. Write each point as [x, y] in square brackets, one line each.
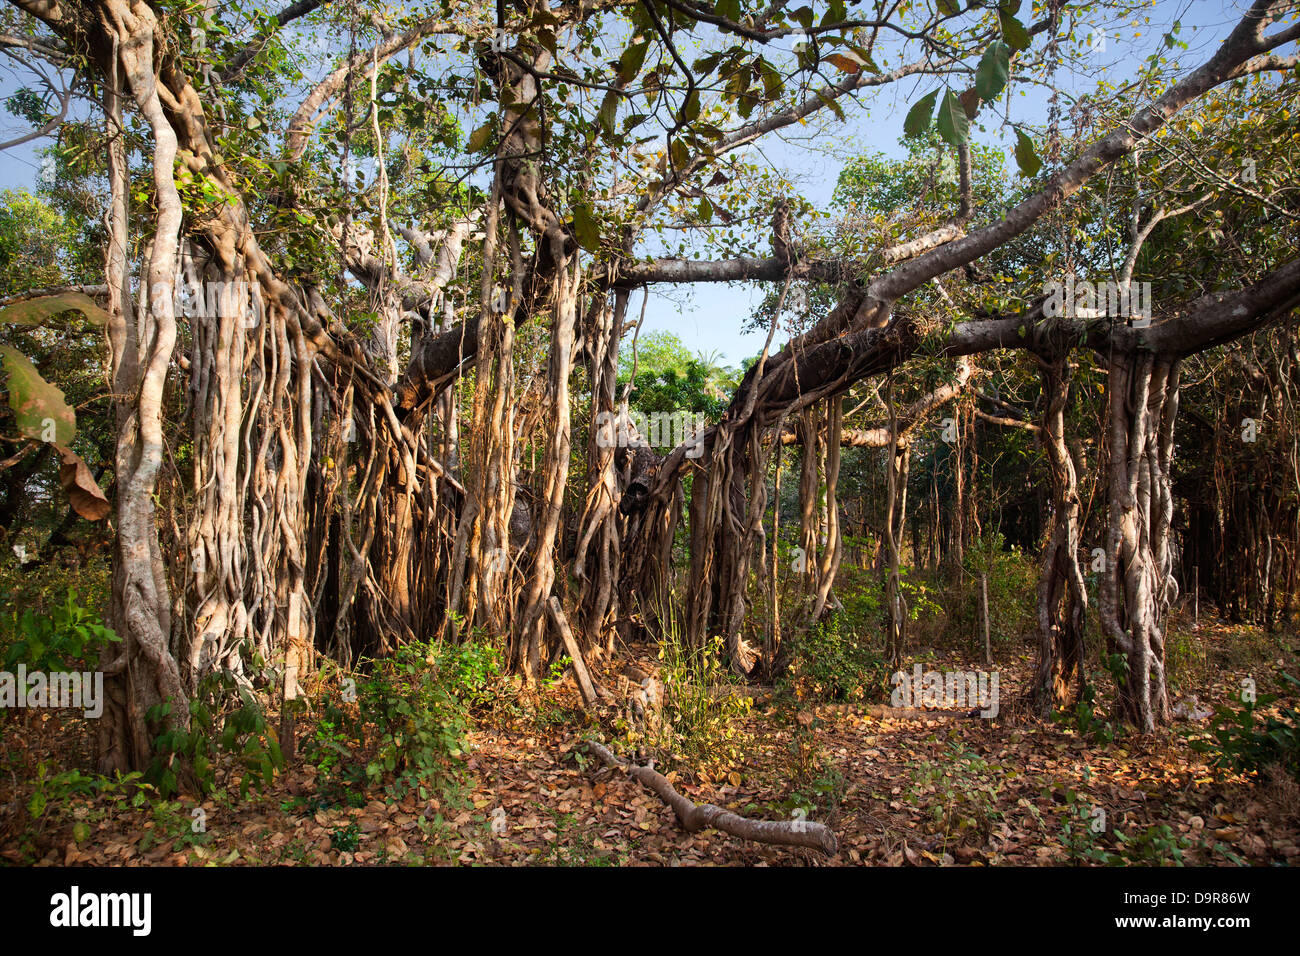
[984, 613]
[1196, 596]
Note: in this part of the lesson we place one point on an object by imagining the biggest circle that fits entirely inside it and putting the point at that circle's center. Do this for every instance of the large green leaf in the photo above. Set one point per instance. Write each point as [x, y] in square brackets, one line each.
[630, 63]
[994, 70]
[479, 138]
[585, 229]
[38, 406]
[608, 112]
[918, 117]
[1026, 156]
[1013, 31]
[953, 125]
[35, 311]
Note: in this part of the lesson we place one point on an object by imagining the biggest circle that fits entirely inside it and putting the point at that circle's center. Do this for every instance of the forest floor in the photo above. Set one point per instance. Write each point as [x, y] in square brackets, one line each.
[909, 790]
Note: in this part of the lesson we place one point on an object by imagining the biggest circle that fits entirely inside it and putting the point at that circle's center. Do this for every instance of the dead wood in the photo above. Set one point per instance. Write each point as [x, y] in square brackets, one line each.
[698, 816]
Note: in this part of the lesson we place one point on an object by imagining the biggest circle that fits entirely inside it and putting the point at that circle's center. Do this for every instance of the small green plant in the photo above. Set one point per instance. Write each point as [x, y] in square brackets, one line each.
[699, 717]
[1243, 739]
[1157, 845]
[227, 719]
[959, 792]
[474, 673]
[1084, 719]
[82, 800]
[1083, 832]
[173, 824]
[828, 666]
[56, 793]
[66, 638]
[1084, 835]
[346, 839]
[573, 845]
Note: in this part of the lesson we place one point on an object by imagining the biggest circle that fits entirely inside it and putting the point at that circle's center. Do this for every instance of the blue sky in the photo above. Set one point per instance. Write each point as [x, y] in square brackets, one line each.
[709, 317]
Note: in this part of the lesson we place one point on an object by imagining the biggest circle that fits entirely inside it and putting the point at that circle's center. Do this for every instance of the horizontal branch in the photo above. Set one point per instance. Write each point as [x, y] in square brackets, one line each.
[698, 816]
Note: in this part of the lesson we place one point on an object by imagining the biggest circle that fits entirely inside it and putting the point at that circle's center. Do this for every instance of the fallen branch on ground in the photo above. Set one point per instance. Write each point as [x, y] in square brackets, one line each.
[697, 816]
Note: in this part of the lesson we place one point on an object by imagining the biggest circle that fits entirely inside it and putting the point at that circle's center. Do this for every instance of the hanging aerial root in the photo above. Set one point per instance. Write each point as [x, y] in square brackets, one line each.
[699, 816]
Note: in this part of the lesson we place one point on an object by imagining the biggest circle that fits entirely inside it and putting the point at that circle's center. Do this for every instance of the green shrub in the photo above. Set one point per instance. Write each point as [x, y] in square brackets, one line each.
[474, 670]
[1084, 717]
[68, 638]
[828, 666]
[1012, 581]
[1242, 739]
[403, 724]
[862, 593]
[959, 794]
[226, 719]
[1087, 842]
[414, 719]
[699, 717]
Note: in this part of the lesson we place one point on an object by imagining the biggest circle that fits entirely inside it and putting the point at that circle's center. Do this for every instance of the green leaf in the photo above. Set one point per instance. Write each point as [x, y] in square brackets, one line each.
[918, 117]
[833, 106]
[585, 228]
[706, 209]
[608, 110]
[680, 153]
[994, 70]
[35, 311]
[1013, 31]
[691, 108]
[479, 138]
[949, 8]
[629, 64]
[835, 13]
[38, 406]
[729, 9]
[1026, 156]
[773, 82]
[953, 125]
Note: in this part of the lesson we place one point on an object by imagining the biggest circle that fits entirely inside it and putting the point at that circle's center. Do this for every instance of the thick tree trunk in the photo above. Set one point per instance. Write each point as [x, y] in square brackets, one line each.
[555, 474]
[596, 560]
[833, 552]
[1137, 584]
[141, 670]
[1062, 598]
